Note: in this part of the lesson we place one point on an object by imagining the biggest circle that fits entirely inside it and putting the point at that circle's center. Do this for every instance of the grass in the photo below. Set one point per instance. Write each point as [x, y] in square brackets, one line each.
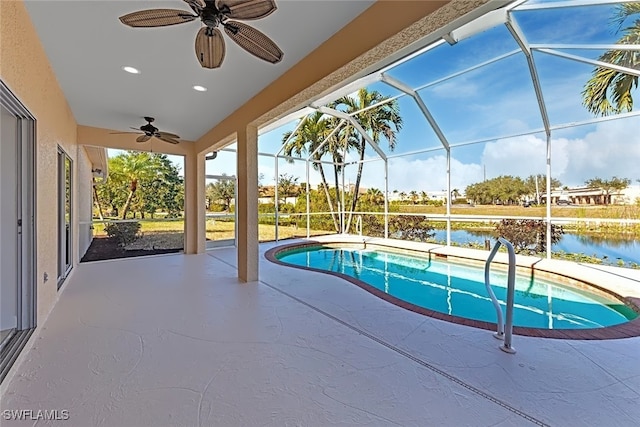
[216, 229]
[220, 230]
[575, 211]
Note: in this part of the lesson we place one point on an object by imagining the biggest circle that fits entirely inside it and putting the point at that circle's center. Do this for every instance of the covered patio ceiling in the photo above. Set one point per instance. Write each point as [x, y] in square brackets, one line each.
[88, 46]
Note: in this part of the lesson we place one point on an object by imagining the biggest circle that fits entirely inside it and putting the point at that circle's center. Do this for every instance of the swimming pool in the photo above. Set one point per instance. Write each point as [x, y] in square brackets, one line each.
[458, 290]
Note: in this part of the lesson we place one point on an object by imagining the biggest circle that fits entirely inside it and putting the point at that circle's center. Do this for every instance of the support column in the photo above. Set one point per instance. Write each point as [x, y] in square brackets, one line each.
[247, 207]
[194, 204]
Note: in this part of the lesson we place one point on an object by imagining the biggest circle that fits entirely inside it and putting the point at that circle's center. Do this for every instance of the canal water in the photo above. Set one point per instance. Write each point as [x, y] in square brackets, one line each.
[610, 249]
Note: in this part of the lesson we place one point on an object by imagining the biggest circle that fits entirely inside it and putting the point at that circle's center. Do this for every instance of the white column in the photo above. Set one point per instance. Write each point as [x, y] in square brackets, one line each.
[194, 204]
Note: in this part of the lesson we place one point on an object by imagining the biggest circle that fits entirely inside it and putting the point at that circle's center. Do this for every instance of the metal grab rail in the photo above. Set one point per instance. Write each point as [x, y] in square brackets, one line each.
[504, 330]
[359, 224]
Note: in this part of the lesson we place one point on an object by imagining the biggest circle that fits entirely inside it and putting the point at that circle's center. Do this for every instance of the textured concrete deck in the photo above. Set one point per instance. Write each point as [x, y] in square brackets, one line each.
[176, 340]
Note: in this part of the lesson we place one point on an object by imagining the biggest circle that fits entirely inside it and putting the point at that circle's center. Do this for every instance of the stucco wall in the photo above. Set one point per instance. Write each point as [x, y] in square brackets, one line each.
[25, 69]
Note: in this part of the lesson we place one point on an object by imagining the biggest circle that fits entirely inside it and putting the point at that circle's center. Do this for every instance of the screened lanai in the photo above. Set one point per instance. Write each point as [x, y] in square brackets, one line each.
[504, 95]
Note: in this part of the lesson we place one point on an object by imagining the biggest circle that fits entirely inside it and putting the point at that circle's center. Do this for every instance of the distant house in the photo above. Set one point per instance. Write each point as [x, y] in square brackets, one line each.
[595, 196]
[267, 193]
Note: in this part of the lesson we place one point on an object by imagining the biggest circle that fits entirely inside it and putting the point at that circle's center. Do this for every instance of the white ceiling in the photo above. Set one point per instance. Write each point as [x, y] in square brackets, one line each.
[88, 46]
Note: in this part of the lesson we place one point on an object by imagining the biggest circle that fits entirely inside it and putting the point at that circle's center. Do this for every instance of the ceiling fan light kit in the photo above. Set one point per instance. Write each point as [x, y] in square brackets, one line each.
[210, 45]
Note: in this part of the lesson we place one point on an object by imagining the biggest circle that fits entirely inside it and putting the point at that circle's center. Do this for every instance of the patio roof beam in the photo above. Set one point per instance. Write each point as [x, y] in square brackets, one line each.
[596, 120]
[298, 114]
[611, 46]
[602, 64]
[346, 90]
[518, 35]
[570, 3]
[423, 108]
[356, 125]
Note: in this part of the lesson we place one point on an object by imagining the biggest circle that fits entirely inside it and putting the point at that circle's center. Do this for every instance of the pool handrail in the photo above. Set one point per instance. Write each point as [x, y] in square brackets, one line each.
[504, 331]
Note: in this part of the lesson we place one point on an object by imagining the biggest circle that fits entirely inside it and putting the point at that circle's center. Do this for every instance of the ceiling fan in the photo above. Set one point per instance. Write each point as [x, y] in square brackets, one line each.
[210, 46]
[149, 131]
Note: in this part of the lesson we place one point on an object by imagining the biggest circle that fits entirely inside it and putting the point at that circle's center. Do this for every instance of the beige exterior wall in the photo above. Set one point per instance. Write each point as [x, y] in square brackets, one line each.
[25, 69]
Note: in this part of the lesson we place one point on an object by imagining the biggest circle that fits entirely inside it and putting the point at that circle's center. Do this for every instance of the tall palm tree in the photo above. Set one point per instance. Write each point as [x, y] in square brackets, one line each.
[130, 168]
[374, 196]
[424, 196]
[609, 91]
[414, 196]
[307, 139]
[382, 122]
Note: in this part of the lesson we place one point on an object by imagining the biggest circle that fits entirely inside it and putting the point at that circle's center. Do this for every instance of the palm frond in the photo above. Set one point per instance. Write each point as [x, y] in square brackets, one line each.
[624, 11]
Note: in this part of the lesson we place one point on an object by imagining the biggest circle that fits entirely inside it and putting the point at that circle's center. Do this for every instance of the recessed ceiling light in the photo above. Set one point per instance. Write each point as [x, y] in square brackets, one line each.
[131, 70]
[200, 88]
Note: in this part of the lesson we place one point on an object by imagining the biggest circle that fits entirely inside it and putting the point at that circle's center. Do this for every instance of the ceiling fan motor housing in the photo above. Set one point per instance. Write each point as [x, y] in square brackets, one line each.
[149, 129]
[210, 17]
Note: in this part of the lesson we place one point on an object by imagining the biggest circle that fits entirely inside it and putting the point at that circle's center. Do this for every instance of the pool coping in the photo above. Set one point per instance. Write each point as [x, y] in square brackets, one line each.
[625, 330]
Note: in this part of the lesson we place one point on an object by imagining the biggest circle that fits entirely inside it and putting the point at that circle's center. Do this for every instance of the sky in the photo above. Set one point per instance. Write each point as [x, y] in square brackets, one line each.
[489, 103]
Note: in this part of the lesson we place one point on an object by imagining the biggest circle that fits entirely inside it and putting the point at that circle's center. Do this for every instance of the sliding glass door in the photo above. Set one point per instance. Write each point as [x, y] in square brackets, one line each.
[17, 228]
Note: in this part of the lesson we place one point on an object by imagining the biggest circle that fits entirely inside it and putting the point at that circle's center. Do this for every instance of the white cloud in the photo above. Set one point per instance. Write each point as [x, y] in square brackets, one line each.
[612, 148]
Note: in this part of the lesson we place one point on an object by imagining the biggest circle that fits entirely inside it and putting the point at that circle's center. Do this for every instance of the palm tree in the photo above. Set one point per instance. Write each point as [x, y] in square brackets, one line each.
[424, 196]
[455, 193]
[130, 168]
[380, 122]
[307, 139]
[609, 91]
[374, 196]
[413, 194]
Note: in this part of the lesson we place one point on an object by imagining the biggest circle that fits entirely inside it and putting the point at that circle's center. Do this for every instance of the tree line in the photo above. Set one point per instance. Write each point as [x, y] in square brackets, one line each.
[510, 190]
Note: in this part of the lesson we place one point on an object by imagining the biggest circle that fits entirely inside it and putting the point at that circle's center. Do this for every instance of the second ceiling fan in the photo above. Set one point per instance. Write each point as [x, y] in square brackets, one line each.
[210, 45]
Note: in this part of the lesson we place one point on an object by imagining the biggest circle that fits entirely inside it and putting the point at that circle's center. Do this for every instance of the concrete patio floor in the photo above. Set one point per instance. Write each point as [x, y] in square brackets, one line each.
[177, 340]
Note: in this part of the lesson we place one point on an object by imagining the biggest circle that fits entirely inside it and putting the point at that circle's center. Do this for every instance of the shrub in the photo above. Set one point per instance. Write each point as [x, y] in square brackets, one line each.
[528, 235]
[124, 233]
[459, 201]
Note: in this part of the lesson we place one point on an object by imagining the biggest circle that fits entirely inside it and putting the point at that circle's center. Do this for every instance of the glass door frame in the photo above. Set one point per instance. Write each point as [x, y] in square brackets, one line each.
[65, 220]
[26, 230]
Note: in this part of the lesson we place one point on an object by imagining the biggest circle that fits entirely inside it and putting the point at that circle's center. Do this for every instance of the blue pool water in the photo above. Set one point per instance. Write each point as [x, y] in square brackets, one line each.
[459, 290]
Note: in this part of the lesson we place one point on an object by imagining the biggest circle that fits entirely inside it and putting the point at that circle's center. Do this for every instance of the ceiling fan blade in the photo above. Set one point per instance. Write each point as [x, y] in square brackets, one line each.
[196, 5]
[122, 133]
[156, 18]
[143, 138]
[167, 135]
[210, 47]
[246, 9]
[138, 129]
[169, 140]
[253, 41]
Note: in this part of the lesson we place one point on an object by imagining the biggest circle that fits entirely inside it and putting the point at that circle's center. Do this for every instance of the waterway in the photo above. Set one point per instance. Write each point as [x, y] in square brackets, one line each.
[610, 249]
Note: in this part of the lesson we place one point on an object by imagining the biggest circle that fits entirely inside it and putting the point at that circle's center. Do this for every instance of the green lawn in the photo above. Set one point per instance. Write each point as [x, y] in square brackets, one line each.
[216, 229]
[575, 211]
